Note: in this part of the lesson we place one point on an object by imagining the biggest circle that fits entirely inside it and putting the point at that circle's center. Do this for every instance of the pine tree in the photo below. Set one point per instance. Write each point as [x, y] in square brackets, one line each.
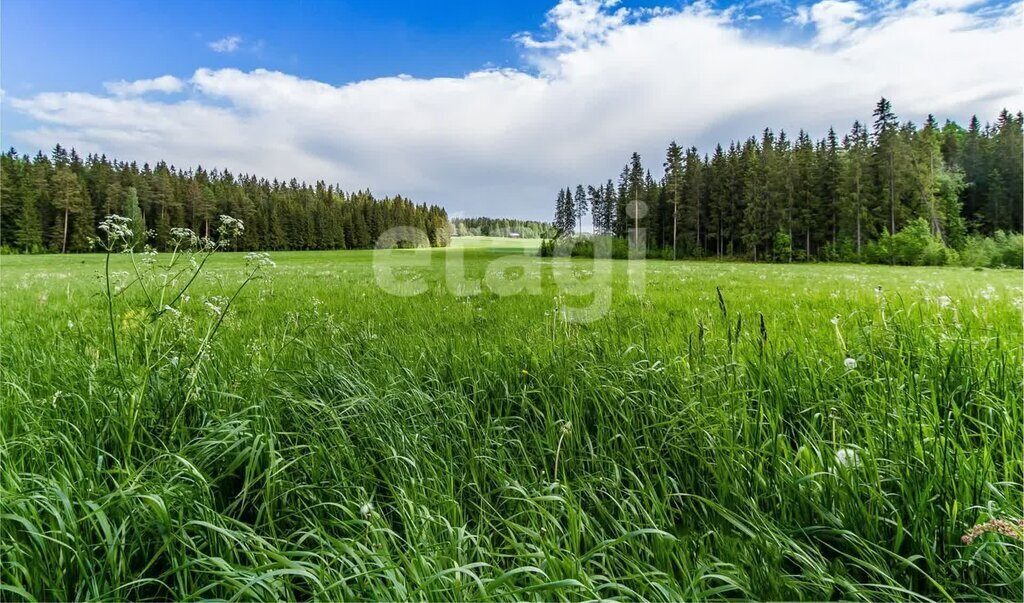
[68, 199]
[674, 188]
[886, 139]
[580, 206]
[855, 191]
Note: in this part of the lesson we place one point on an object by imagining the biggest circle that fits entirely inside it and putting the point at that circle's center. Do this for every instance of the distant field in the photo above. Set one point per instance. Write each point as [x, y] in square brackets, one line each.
[493, 243]
[813, 432]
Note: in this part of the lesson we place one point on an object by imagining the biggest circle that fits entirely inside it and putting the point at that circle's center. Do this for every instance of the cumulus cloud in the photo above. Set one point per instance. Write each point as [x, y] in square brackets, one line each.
[165, 83]
[228, 44]
[833, 19]
[502, 142]
[577, 23]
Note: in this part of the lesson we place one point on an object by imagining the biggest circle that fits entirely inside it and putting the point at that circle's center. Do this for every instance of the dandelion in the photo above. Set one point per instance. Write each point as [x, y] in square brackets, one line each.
[835, 320]
[366, 510]
[1010, 529]
[850, 363]
[847, 457]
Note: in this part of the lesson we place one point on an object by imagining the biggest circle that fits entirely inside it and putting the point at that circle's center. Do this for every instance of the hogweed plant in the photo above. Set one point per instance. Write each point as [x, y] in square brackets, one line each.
[161, 331]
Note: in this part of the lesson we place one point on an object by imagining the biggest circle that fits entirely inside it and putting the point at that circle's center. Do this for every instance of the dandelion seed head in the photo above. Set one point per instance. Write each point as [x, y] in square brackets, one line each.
[366, 510]
[850, 363]
[847, 457]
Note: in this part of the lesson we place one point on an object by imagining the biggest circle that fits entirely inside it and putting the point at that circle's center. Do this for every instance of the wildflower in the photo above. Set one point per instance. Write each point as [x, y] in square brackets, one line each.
[174, 361]
[174, 311]
[1010, 529]
[366, 510]
[943, 301]
[116, 228]
[71, 325]
[133, 320]
[214, 308]
[850, 363]
[847, 457]
[184, 237]
[835, 320]
[524, 372]
[259, 259]
[230, 228]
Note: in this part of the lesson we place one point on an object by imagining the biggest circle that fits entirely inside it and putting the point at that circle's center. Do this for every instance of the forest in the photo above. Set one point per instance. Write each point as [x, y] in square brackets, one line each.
[500, 227]
[888, 192]
[55, 203]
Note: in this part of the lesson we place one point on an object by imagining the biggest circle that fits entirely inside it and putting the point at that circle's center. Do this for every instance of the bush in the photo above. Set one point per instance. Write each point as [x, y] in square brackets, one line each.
[908, 245]
[912, 246]
[782, 248]
[994, 252]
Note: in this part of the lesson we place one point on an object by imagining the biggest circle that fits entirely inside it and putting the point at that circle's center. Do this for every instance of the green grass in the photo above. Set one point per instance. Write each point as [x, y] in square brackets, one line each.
[336, 442]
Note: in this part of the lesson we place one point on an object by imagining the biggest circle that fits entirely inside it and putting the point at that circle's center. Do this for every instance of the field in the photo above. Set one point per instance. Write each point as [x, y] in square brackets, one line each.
[715, 431]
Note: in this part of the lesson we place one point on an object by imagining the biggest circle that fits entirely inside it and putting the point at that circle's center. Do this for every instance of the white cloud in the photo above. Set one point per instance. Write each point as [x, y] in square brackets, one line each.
[834, 20]
[228, 44]
[577, 23]
[502, 142]
[165, 83]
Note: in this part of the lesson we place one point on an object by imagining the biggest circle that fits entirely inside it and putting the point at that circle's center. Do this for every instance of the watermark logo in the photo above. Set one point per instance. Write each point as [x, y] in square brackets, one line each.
[405, 266]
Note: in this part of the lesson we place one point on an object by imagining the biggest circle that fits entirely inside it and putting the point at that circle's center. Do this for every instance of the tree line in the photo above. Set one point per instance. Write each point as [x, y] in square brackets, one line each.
[838, 198]
[500, 227]
[54, 204]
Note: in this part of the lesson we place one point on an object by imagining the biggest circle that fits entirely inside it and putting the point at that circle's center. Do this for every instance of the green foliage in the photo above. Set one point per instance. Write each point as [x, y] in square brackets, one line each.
[1002, 250]
[833, 199]
[802, 433]
[501, 227]
[782, 247]
[57, 204]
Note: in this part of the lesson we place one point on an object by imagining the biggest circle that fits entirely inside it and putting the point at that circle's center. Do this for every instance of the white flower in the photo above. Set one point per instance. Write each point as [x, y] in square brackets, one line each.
[366, 510]
[259, 259]
[944, 301]
[184, 236]
[173, 311]
[174, 361]
[835, 320]
[847, 457]
[71, 325]
[116, 228]
[213, 308]
[850, 363]
[230, 227]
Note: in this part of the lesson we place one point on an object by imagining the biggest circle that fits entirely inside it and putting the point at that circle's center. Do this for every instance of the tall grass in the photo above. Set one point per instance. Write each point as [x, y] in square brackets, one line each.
[802, 436]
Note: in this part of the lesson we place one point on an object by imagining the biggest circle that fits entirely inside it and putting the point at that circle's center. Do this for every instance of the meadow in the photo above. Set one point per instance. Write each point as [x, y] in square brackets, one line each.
[724, 431]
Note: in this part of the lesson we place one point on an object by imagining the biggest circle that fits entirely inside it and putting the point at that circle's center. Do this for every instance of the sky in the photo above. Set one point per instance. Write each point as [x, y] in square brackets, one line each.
[487, 108]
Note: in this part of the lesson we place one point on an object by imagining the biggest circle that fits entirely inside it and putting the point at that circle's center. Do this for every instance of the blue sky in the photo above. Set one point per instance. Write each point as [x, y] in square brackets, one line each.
[499, 103]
